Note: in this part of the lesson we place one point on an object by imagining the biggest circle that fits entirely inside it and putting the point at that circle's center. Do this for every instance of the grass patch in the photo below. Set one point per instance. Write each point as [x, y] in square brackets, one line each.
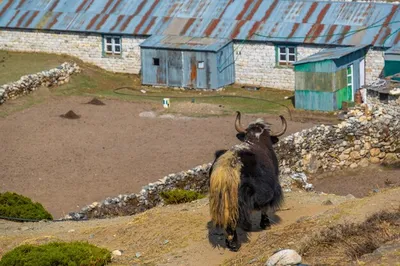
[351, 241]
[57, 253]
[177, 196]
[18, 206]
[13, 65]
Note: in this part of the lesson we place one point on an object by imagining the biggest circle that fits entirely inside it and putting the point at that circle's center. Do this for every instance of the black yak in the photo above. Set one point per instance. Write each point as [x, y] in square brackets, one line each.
[245, 178]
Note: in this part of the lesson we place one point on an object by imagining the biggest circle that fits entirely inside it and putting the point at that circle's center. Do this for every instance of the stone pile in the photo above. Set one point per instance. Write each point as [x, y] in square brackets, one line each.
[29, 83]
[364, 137]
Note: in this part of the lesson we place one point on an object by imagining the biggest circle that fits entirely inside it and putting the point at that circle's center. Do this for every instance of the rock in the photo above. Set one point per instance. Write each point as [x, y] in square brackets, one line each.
[71, 230]
[381, 155]
[375, 152]
[116, 253]
[355, 155]
[390, 158]
[327, 202]
[344, 157]
[350, 196]
[284, 257]
[374, 160]
[353, 165]
[364, 162]
[138, 254]
[367, 145]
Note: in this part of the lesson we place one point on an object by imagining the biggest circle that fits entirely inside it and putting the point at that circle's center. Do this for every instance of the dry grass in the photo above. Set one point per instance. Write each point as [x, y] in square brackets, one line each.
[351, 241]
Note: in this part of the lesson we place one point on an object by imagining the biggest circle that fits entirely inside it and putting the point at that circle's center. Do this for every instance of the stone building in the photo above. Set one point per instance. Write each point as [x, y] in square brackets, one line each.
[268, 35]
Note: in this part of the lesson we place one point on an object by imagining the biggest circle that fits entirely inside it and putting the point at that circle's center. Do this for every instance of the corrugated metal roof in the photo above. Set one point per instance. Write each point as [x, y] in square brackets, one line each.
[394, 50]
[299, 21]
[330, 54]
[185, 43]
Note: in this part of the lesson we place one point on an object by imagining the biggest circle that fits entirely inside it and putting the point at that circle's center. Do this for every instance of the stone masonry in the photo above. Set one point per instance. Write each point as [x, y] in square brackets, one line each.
[87, 47]
[255, 62]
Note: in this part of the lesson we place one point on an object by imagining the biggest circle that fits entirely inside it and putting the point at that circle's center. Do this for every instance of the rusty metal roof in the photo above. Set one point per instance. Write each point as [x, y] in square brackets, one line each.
[185, 43]
[330, 54]
[298, 21]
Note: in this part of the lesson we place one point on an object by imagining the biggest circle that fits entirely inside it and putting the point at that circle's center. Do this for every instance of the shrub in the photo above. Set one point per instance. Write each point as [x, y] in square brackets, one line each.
[18, 206]
[177, 196]
[57, 253]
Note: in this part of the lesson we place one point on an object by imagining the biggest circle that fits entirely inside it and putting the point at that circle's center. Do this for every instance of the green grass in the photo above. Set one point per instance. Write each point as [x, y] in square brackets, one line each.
[57, 253]
[96, 82]
[177, 196]
[13, 65]
[17, 206]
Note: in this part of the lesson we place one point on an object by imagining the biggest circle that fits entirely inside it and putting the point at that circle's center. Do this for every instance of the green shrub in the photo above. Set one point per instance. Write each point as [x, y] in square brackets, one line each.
[18, 206]
[177, 196]
[57, 253]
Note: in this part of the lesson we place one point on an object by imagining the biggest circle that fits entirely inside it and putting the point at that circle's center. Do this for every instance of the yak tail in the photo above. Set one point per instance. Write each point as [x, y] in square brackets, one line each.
[224, 190]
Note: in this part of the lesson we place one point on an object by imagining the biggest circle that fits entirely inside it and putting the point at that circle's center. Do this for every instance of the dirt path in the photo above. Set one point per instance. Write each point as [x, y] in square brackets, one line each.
[181, 235]
[111, 150]
[171, 235]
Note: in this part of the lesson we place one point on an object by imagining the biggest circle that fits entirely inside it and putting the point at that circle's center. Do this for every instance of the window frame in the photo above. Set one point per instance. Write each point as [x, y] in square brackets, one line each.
[286, 62]
[113, 44]
[200, 64]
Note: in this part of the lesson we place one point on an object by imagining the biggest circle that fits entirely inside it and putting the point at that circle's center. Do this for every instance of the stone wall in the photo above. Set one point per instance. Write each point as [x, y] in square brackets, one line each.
[256, 65]
[29, 83]
[363, 138]
[374, 63]
[255, 62]
[87, 47]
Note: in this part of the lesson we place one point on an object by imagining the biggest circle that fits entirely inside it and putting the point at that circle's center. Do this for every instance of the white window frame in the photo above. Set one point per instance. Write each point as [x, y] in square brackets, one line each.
[113, 45]
[287, 54]
[351, 76]
[200, 64]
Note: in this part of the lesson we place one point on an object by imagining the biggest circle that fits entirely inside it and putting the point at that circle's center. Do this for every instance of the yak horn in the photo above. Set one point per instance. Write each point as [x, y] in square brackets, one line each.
[284, 126]
[238, 126]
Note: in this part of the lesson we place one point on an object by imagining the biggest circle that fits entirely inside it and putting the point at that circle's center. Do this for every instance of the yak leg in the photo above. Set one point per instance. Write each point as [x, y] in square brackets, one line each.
[264, 223]
[232, 239]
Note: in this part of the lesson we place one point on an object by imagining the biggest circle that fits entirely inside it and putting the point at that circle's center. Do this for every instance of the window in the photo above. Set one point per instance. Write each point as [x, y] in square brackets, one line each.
[350, 82]
[200, 64]
[112, 45]
[286, 55]
[156, 61]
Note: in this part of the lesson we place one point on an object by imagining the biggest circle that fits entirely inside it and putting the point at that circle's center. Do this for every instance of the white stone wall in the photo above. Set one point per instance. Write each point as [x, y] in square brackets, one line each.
[256, 65]
[87, 47]
[374, 63]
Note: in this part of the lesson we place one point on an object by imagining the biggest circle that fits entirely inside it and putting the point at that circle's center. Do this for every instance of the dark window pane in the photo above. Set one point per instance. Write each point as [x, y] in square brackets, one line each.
[292, 58]
[156, 61]
[117, 40]
[108, 40]
[109, 48]
[282, 57]
[282, 50]
[291, 50]
[117, 48]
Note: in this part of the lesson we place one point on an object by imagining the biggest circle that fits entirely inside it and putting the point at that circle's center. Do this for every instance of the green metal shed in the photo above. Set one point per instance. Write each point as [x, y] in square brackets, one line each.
[326, 79]
[392, 61]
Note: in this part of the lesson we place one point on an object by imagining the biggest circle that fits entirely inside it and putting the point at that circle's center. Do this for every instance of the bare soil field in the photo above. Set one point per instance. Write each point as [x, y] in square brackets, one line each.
[111, 149]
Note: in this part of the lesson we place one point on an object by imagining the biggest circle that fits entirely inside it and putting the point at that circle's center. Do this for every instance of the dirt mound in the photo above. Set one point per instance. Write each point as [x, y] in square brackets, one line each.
[96, 101]
[70, 115]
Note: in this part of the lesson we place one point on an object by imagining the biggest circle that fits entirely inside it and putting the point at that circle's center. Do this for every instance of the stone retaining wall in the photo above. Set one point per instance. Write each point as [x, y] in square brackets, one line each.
[29, 83]
[364, 137]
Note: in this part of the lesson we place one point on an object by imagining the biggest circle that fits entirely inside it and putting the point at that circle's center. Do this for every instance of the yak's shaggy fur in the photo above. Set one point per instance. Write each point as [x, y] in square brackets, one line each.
[224, 188]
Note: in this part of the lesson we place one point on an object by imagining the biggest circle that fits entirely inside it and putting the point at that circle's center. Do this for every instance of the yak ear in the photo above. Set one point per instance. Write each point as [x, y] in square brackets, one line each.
[241, 136]
[274, 139]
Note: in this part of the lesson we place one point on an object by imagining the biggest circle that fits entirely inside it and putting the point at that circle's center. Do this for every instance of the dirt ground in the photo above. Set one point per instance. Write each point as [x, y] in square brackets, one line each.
[182, 235]
[112, 149]
[357, 182]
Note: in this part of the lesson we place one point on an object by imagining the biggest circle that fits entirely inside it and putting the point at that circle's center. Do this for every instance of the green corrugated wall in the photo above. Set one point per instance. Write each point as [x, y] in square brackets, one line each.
[391, 67]
[321, 100]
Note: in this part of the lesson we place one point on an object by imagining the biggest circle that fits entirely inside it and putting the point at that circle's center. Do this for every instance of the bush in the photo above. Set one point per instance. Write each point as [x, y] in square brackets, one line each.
[57, 253]
[18, 206]
[177, 196]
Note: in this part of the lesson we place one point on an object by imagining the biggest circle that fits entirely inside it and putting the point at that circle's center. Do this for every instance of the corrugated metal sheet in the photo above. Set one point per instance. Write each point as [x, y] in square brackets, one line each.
[330, 54]
[395, 50]
[324, 22]
[185, 43]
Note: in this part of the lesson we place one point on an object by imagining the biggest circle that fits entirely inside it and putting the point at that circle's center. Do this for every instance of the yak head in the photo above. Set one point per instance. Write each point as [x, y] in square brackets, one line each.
[258, 131]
